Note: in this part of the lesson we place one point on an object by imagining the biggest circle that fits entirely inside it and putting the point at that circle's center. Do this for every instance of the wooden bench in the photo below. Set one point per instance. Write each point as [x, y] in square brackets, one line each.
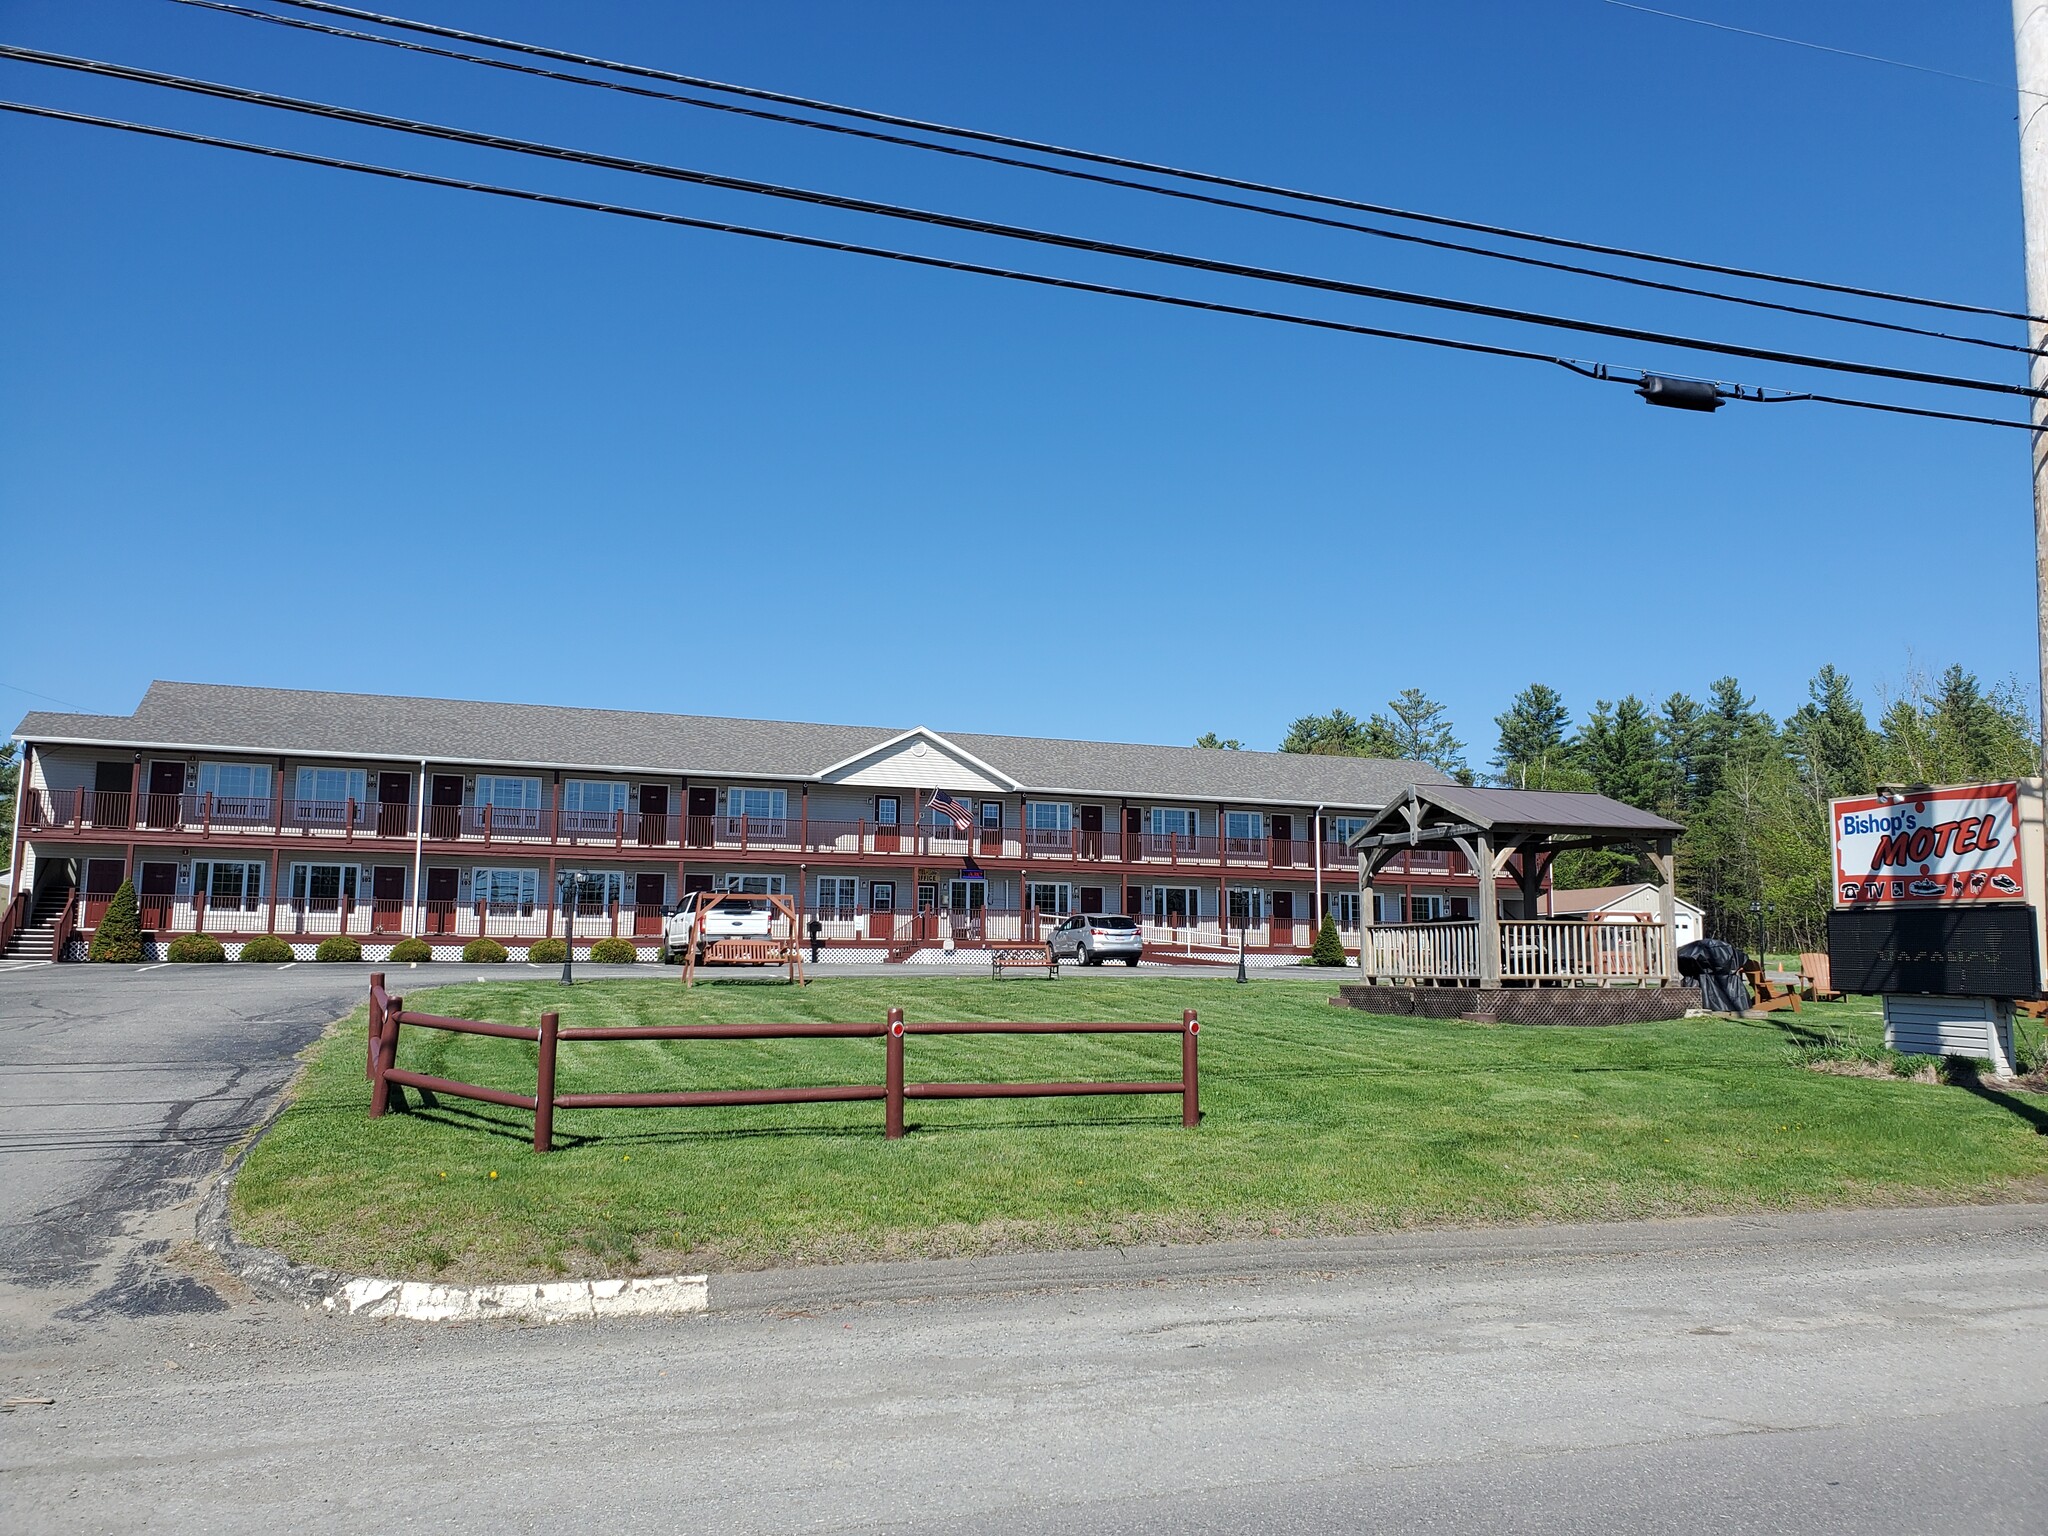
[1022, 957]
[748, 951]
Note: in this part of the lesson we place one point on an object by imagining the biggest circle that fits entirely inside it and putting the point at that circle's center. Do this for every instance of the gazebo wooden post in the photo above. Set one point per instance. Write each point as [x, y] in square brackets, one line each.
[1663, 857]
[1365, 915]
[1489, 910]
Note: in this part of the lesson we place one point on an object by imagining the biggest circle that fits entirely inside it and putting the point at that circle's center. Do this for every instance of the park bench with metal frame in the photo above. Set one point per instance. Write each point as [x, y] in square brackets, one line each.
[1022, 957]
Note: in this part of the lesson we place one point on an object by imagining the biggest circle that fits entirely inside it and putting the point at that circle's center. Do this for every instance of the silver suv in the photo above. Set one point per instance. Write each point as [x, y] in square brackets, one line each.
[1096, 937]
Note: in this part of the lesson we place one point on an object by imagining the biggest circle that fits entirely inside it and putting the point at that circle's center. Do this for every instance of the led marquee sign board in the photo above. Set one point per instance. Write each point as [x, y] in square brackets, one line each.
[1940, 951]
[1929, 847]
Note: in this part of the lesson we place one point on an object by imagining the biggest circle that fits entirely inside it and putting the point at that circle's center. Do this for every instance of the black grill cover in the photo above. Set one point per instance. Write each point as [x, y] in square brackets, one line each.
[1717, 965]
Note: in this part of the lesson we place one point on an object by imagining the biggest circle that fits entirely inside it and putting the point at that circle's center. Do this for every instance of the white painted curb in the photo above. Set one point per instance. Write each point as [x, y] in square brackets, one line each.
[563, 1301]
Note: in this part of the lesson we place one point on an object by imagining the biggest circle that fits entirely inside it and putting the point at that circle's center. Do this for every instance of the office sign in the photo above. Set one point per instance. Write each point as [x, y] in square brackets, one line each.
[1936, 951]
[1929, 846]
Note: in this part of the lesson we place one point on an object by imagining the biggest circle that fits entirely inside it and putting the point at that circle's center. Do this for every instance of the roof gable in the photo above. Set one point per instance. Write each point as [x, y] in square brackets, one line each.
[919, 759]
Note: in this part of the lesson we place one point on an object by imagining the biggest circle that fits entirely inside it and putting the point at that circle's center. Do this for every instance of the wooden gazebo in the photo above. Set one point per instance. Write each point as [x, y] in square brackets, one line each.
[1509, 837]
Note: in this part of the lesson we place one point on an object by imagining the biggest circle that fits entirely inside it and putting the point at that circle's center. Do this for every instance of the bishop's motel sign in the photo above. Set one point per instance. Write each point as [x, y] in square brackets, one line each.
[1929, 846]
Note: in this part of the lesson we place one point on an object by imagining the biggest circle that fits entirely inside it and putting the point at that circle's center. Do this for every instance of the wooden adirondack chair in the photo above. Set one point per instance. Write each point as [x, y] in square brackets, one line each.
[1770, 995]
[1820, 977]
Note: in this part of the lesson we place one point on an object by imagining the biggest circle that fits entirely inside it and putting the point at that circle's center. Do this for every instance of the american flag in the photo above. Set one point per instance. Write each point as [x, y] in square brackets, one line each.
[952, 810]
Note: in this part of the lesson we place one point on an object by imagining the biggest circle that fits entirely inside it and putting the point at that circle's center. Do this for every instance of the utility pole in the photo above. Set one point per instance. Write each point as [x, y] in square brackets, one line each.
[2030, 62]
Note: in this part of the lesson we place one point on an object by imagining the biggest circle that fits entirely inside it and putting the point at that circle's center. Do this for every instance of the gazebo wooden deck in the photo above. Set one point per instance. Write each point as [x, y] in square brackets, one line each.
[1517, 967]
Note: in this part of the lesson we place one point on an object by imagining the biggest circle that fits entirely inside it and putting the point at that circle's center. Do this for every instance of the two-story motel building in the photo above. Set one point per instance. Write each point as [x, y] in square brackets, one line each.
[242, 811]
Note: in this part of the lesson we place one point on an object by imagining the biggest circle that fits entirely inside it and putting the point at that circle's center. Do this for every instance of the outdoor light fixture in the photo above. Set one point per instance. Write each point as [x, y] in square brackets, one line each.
[570, 884]
[1679, 394]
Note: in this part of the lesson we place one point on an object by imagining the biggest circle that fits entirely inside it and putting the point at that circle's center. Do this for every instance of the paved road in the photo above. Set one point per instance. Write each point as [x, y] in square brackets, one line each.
[1824, 1375]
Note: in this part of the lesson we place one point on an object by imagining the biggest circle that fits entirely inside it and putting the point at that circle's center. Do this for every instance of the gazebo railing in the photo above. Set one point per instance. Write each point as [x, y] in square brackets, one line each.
[1544, 950]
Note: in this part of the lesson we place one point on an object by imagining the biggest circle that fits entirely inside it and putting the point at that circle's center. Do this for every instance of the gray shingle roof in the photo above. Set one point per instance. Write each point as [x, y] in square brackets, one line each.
[295, 721]
[1506, 810]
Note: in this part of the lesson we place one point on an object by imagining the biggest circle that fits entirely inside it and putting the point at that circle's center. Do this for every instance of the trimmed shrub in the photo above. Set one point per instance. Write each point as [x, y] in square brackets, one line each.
[413, 950]
[613, 952]
[118, 939]
[338, 946]
[484, 952]
[548, 951]
[1329, 948]
[196, 949]
[266, 949]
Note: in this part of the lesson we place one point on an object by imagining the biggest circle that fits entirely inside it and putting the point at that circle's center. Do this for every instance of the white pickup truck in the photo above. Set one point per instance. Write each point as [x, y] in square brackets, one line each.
[736, 917]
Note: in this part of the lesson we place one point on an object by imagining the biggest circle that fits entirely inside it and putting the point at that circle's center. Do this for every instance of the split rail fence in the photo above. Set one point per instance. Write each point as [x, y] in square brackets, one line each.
[388, 1015]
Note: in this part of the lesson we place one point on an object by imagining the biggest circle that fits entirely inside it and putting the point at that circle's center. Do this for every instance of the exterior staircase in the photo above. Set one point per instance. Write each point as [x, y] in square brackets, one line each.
[38, 937]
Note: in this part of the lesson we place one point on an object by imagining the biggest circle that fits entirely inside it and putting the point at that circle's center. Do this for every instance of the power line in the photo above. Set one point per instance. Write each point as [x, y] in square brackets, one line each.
[1602, 372]
[1800, 42]
[1002, 230]
[1098, 178]
[1382, 210]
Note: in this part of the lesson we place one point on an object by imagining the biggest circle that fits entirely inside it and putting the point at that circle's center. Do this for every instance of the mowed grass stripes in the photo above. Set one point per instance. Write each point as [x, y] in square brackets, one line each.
[1316, 1120]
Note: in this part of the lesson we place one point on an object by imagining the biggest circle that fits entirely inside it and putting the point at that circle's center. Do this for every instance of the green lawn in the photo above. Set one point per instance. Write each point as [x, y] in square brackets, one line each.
[1317, 1120]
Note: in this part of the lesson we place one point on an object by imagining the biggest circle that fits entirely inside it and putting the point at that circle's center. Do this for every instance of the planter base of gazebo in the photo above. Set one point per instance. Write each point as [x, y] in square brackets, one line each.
[1523, 1005]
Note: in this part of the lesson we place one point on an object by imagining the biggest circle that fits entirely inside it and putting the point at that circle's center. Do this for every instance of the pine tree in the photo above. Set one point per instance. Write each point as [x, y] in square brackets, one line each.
[1219, 743]
[1329, 947]
[1728, 719]
[1832, 740]
[1337, 734]
[1619, 749]
[118, 938]
[1679, 742]
[1420, 729]
[1532, 738]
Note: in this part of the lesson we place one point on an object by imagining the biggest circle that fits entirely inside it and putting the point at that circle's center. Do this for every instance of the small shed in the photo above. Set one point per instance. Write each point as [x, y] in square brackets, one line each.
[1624, 904]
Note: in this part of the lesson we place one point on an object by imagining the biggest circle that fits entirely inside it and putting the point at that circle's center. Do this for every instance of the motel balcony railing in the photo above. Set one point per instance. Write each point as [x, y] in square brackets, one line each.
[1545, 951]
[94, 815]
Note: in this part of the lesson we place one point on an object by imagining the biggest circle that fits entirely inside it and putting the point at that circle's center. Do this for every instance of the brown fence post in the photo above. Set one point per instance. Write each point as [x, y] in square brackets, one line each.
[1190, 1084]
[892, 1119]
[385, 1046]
[544, 1085]
[376, 1025]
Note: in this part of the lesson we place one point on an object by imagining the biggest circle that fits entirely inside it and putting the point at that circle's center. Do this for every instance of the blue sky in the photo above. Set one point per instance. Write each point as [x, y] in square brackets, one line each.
[279, 425]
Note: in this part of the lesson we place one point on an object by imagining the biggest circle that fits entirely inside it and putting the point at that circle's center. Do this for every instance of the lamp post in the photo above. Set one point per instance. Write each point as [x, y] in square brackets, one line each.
[1242, 924]
[568, 899]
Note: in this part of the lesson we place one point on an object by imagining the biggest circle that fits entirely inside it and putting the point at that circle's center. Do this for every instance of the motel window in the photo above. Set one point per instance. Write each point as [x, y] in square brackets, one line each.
[927, 896]
[888, 810]
[836, 898]
[1344, 828]
[506, 890]
[750, 885]
[323, 884]
[1244, 826]
[966, 895]
[1176, 905]
[1247, 907]
[330, 785]
[595, 889]
[1048, 897]
[1048, 815]
[882, 896]
[757, 804]
[593, 795]
[1425, 909]
[1172, 821]
[237, 788]
[991, 815]
[1345, 905]
[229, 887]
[510, 794]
